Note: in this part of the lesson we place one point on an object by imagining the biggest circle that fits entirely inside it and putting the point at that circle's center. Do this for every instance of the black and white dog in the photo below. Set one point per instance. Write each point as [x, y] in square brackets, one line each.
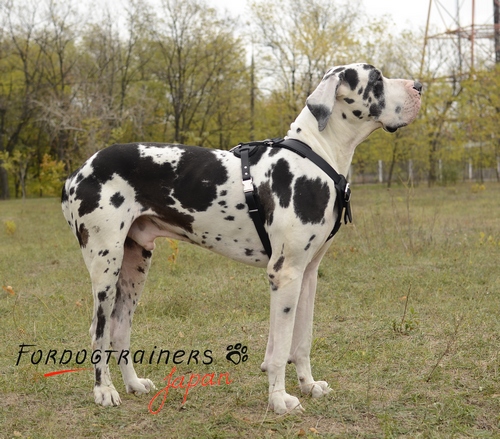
[127, 195]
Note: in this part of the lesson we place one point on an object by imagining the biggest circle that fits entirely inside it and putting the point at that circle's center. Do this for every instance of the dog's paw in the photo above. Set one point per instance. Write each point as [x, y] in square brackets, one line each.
[282, 402]
[140, 386]
[107, 396]
[316, 389]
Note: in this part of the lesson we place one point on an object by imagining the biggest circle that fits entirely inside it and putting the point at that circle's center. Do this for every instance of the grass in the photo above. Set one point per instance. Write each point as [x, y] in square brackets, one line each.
[406, 328]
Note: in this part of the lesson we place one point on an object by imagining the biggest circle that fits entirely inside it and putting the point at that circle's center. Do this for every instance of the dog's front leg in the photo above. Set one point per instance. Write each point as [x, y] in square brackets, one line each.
[302, 333]
[285, 290]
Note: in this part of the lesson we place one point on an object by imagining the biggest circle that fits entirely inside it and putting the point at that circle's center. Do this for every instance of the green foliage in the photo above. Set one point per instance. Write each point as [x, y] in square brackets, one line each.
[51, 177]
[179, 72]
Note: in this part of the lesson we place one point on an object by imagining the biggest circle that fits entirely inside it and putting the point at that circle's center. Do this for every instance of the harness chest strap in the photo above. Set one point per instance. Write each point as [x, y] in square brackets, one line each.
[245, 150]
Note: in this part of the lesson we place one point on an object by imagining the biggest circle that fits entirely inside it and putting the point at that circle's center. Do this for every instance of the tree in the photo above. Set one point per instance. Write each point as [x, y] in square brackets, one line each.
[196, 52]
[479, 115]
[304, 38]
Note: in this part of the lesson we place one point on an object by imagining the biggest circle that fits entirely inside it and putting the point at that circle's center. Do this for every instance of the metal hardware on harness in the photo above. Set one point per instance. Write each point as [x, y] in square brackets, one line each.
[248, 185]
[246, 150]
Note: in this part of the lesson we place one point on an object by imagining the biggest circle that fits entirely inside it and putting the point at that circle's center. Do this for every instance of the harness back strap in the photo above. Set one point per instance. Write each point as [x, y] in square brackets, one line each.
[245, 150]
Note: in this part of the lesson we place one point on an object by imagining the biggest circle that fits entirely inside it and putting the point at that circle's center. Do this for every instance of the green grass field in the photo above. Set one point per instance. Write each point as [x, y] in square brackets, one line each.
[407, 328]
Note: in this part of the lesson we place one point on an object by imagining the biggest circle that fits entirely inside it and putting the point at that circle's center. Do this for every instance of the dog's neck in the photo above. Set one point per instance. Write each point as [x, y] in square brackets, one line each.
[336, 143]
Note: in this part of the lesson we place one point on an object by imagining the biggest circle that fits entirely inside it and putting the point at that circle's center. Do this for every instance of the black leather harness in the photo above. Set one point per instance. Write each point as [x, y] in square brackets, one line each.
[246, 150]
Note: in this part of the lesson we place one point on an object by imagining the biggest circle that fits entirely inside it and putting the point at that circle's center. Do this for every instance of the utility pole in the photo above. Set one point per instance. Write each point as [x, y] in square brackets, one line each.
[496, 21]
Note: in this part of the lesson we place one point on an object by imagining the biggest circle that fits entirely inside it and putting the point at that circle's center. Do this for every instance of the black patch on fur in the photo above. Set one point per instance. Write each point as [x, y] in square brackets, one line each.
[282, 182]
[375, 85]
[97, 376]
[349, 100]
[119, 301]
[310, 199]
[82, 234]
[64, 195]
[146, 254]
[229, 218]
[357, 113]
[248, 252]
[199, 172]
[352, 78]
[286, 310]
[320, 112]
[240, 206]
[266, 199]
[117, 199]
[101, 322]
[375, 110]
[279, 263]
[89, 192]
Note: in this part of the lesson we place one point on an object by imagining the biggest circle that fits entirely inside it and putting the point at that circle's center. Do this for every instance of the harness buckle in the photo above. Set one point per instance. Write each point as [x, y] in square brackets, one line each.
[247, 185]
[347, 193]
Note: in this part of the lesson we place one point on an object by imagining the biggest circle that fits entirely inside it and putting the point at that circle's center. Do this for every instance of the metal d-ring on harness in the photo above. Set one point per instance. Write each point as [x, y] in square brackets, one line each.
[246, 150]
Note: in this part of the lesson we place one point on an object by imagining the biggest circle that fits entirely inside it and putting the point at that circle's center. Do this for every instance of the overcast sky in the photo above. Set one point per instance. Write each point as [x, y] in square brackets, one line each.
[406, 14]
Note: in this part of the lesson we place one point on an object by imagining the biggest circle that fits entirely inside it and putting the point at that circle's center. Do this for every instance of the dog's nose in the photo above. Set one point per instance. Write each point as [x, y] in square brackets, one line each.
[418, 86]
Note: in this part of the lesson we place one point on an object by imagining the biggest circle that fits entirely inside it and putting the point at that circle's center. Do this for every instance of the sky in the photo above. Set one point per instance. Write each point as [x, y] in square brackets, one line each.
[406, 14]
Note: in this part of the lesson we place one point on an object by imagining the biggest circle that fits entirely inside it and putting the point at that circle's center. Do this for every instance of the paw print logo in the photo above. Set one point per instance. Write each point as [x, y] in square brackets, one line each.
[237, 354]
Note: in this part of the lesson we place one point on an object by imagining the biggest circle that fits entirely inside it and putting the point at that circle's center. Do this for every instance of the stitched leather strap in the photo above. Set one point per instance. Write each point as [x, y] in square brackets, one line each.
[252, 203]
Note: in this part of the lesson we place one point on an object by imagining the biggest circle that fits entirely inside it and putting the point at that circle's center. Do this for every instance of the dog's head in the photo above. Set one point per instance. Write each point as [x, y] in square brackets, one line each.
[363, 94]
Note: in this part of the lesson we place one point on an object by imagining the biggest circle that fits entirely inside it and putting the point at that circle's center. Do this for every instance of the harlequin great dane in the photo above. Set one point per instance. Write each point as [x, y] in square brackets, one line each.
[127, 195]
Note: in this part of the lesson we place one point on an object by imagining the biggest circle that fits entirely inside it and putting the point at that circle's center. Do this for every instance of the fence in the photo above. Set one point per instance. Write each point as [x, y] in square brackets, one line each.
[445, 173]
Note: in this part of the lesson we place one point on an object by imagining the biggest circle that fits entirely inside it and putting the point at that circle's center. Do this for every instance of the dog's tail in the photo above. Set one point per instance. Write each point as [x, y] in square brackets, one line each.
[65, 204]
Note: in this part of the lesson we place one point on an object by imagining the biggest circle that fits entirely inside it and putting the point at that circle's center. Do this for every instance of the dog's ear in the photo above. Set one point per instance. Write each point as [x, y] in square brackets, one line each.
[321, 100]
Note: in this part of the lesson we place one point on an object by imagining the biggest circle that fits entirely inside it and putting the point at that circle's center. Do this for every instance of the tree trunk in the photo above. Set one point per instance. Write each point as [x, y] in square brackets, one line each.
[4, 184]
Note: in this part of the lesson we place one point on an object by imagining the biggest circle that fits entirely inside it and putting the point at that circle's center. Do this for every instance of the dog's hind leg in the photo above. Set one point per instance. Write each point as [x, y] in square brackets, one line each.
[302, 332]
[134, 270]
[104, 268]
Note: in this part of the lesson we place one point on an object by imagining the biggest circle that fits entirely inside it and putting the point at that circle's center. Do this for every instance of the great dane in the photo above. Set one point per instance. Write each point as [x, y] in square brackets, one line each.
[127, 195]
